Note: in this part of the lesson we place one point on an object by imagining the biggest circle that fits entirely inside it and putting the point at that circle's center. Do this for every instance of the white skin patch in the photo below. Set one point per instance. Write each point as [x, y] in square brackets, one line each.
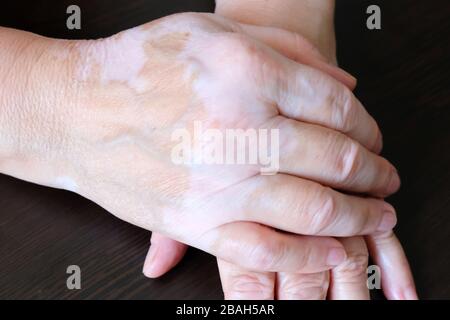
[66, 183]
[223, 87]
[188, 69]
[119, 59]
[131, 174]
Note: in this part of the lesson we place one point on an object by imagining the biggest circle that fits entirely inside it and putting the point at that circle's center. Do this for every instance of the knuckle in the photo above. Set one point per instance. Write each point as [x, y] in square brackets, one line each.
[307, 287]
[362, 222]
[354, 267]
[300, 44]
[297, 41]
[383, 238]
[377, 142]
[343, 110]
[324, 214]
[348, 162]
[242, 52]
[251, 285]
[267, 254]
[246, 59]
[311, 293]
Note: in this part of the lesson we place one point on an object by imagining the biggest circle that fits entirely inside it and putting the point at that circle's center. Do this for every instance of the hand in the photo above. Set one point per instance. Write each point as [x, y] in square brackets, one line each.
[349, 279]
[126, 95]
[208, 221]
[315, 21]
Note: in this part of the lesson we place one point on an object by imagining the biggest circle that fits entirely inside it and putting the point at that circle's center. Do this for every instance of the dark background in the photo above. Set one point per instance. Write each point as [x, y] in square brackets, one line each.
[403, 72]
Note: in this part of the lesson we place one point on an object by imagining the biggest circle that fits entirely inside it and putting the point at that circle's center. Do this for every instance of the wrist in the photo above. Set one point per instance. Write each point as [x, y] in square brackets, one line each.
[313, 19]
[35, 105]
[323, 8]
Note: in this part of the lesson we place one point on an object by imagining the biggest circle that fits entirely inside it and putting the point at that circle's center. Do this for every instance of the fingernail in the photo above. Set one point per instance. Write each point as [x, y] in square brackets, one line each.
[348, 75]
[378, 147]
[411, 294]
[342, 76]
[394, 182]
[336, 256]
[149, 264]
[389, 219]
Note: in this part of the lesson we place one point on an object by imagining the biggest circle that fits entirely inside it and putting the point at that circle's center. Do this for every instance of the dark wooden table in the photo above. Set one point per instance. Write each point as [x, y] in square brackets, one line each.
[404, 78]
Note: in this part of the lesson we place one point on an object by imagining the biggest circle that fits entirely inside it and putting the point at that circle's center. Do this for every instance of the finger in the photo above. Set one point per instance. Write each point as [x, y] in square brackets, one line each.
[396, 277]
[256, 247]
[296, 47]
[163, 255]
[310, 95]
[331, 158]
[241, 284]
[304, 93]
[302, 286]
[305, 207]
[349, 279]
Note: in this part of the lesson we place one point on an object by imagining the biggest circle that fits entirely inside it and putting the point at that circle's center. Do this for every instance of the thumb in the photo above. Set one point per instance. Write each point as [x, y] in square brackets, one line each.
[163, 255]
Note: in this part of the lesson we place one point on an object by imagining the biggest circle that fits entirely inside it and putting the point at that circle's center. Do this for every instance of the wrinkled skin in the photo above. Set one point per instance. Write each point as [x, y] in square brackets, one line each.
[104, 130]
[348, 279]
[217, 206]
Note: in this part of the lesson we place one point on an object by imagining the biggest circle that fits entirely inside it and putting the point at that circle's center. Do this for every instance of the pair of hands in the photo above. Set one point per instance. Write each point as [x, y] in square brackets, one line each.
[104, 131]
[349, 278]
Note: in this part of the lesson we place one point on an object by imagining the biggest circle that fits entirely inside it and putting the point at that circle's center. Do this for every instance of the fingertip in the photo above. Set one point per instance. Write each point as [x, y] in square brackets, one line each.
[151, 269]
[336, 256]
[394, 182]
[163, 255]
[410, 293]
[337, 73]
[397, 280]
[388, 219]
[349, 280]
[347, 79]
[378, 146]
[150, 275]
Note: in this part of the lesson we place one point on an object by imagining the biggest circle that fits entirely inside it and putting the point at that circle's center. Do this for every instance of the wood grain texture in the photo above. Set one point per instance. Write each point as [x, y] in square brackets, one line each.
[404, 76]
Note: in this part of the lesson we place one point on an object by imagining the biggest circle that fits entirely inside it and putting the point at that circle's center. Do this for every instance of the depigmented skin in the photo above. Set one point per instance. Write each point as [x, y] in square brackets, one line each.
[349, 278]
[119, 100]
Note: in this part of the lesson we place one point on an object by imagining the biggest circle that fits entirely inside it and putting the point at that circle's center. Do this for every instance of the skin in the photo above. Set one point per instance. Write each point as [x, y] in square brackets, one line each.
[76, 114]
[349, 278]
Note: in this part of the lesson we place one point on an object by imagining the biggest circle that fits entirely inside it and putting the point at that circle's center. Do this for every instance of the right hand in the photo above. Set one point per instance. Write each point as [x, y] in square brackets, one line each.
[136, 88]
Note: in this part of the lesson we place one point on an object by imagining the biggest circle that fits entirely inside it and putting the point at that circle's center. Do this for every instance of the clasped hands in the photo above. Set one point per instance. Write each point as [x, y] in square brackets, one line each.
[349, 279]
[276, 236]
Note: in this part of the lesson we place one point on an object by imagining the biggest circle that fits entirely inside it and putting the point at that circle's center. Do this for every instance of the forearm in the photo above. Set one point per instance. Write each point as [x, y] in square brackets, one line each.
[314, 19]
[13, 67]
[34, 102]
